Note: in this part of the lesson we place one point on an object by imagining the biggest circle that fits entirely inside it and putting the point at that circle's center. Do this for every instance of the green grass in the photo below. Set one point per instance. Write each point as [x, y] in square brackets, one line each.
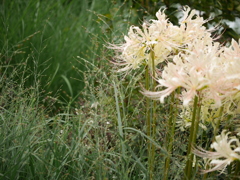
[87, 143]
[55, 33]
[64, 112]
[53, 53]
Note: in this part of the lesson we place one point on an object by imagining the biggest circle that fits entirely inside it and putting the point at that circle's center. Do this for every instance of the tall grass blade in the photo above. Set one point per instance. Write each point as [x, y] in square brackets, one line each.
[68, 84]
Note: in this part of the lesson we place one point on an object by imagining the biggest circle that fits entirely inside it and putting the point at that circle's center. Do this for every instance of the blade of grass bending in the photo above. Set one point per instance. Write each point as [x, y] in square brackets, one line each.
[68, 84]
[118, 111]
[120, 127]
[136, 160]
[54, 74]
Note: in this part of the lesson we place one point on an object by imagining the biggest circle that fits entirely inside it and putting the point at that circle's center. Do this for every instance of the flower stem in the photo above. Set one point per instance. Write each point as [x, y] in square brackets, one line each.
[170, 135]
[219, 119]
[192, 137]
[148, 120]
[154, 118]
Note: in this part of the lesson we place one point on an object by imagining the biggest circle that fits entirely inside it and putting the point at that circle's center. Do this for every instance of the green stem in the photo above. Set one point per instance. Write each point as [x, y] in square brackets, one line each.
[154, 115]
[192, 137]
[170, 135]
[219, 119]
[148, 119]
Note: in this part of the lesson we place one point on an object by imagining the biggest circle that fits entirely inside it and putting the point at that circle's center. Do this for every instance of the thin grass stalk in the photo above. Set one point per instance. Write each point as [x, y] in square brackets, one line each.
[191, 141]
[170, 135]
[120, 129]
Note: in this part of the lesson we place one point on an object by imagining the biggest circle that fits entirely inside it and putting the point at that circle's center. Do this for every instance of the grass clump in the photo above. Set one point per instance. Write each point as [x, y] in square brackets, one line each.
[66, 114]
[58, 31]
[80, 140]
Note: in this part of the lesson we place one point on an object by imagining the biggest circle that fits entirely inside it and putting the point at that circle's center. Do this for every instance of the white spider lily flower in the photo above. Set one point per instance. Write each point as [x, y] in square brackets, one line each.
[192, 71]
[232, 52]
[226, 151]
[159, 36]
[192, 25]
[231, 60]
[140, 41]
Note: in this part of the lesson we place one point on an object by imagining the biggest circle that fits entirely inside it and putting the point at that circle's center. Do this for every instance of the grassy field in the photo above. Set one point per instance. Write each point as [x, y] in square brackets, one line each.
[64, 111]
[58, 110]
[51, 35]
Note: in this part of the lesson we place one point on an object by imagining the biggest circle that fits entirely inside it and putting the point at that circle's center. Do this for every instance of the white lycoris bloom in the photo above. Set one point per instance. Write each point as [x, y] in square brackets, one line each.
[233, 52]
[161, 37]
[224, 76]
[226, 151]
[231, 60]
[192, 27]
[139, 42]
[196, 66]
[191, 70]
[204, 67]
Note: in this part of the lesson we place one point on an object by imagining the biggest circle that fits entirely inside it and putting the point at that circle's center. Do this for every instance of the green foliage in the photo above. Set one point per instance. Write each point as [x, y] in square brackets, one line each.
[53, 52]
[82, 145]
[54, 32]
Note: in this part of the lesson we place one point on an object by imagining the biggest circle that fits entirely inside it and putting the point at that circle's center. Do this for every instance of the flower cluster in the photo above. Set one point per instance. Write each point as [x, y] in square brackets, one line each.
[161, 37]
[209, 71]
[195, 61]
[205, 69]
[226, 151]
[196, 65]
